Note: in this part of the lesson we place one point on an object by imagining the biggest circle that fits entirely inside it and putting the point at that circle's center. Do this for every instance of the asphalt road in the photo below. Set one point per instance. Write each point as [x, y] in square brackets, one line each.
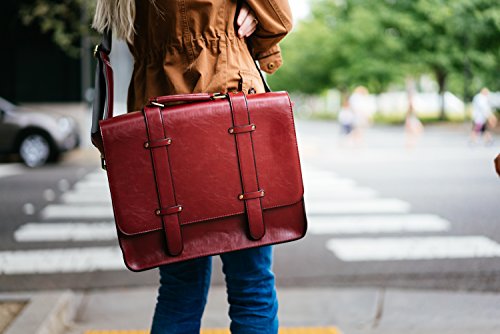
[380, 214]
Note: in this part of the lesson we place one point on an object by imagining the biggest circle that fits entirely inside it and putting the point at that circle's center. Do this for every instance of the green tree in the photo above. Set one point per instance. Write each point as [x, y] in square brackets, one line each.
[375, 43]
[66, 20]
[458, 38]
[342, 44]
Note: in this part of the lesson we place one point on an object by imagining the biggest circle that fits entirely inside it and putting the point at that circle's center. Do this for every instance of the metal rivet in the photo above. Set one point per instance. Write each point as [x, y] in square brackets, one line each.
[241, 197]
[157, 212]
[262, 192]
[169, 141]
[270, 66]
[253, 127]
[146, 144]
[231, 130]
[180, 208]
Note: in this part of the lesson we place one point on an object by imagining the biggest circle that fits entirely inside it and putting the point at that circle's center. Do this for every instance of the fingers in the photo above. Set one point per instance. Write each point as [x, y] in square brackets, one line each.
[244, 11]
[246, 21]
[248, 27]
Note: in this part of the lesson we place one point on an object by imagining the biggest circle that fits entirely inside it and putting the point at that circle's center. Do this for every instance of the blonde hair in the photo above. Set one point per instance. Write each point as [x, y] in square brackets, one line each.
[117, 15]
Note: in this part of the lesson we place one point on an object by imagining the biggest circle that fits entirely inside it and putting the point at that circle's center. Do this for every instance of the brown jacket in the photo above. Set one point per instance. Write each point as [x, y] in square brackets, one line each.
[190, 46]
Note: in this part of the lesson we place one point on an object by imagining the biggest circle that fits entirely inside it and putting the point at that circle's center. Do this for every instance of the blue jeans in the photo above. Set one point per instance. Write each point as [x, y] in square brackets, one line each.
[253, 306]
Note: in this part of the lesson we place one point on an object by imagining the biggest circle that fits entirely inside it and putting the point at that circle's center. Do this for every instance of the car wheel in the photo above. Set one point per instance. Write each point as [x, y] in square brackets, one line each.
[35, 150]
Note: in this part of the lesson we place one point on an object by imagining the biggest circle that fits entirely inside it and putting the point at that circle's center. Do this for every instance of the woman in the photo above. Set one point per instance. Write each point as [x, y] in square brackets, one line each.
[192, 46]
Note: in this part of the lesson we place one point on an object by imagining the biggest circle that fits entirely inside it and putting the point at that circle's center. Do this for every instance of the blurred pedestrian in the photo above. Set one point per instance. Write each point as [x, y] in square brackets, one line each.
[358, 104]
[482, 117]
[346, 118]
[198, 46]
[413, 126]
[346, 122]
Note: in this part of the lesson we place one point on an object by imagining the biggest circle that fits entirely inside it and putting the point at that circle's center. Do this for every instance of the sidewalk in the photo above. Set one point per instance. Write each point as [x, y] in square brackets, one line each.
[323, 310]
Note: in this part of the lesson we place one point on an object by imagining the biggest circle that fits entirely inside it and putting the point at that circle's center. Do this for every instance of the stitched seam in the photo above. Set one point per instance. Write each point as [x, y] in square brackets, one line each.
[153, 165]
[269, 55]
[214, 253]
[177, 220]
[231, 108]
[241, 172]
[211, 218]
[157, 172]
[168, 159]
[255, 163]
[295, 141]
[186, 38]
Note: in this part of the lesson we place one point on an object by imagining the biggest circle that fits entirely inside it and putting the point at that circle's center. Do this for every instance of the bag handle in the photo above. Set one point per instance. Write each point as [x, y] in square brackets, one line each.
[184, 98]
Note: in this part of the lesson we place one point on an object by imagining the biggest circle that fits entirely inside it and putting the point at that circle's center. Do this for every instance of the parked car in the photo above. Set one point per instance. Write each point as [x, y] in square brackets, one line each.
[36, 137]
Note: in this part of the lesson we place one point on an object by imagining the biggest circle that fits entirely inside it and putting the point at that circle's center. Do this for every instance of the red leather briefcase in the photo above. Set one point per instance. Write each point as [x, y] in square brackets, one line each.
[199, 174]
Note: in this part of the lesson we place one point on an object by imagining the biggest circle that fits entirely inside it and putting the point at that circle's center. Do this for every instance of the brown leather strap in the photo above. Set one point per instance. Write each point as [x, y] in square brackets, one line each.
[180, 98]
[158, 143]
[164, 182]
[255, 194]
[242, 129]
[169, 211]
[248, 169]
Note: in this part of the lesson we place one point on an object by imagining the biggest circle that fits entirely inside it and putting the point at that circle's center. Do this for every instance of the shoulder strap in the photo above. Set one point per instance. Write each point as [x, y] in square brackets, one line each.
[266, 86]
[103, 90]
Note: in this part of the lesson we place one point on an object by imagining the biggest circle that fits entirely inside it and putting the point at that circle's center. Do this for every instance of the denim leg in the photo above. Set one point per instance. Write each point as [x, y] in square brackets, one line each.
[253, 306]
[182, 297]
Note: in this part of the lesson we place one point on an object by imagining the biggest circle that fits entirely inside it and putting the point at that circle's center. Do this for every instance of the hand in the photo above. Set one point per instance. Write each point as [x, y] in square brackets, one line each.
[246, 21]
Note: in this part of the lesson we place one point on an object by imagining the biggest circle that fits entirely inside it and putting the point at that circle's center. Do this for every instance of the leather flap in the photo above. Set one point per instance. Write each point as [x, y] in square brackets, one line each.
[203, 161]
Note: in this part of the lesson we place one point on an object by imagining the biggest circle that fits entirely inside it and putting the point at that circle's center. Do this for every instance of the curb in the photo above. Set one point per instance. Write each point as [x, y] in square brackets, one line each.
[45, 312]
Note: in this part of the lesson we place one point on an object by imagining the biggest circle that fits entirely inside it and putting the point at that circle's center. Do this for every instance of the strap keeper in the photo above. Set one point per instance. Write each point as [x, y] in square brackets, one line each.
[252, 195]
[169, 211]
[242, 129]
[158, 143]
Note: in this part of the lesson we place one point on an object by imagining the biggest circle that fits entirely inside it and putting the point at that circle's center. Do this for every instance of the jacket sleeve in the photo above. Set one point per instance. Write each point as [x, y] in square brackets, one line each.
[275, 21]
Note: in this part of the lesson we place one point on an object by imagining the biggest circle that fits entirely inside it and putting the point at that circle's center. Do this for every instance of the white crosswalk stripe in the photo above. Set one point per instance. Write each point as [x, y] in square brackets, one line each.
[91, 185]
[74, 211]
[357, 193]
[74, 231]
[376, 224]
[86, 259]
[86, 197]
[11, 169]
[413, 248]
[96, 176]
[330, 183]
[357, 206]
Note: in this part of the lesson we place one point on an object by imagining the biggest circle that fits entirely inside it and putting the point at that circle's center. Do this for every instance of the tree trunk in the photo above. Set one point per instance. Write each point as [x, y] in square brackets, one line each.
[441, 77]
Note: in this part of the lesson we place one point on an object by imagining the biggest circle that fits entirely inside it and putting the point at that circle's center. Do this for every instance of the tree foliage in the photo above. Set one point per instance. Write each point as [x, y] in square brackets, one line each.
[65, 20]
[345, 43]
